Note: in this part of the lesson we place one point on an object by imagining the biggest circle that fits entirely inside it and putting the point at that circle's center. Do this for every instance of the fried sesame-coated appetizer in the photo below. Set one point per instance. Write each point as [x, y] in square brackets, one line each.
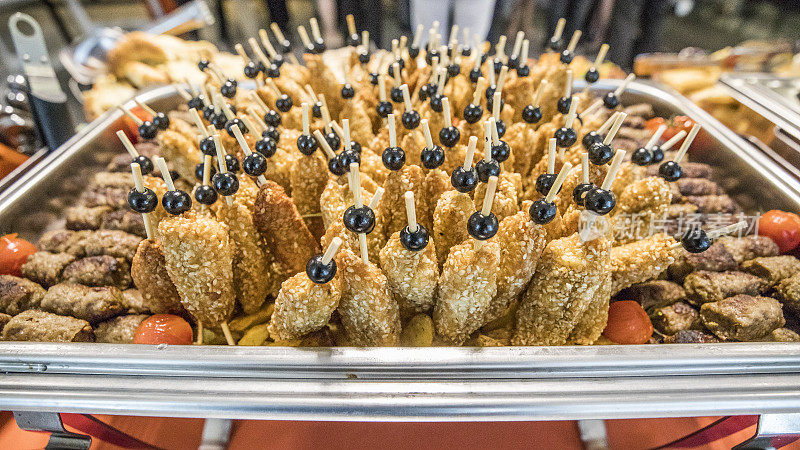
[467, 284]
[567, 278]
[369, 312]
[450, 222]
[199, 260]
[149, 273]
[277, 219]
[641, 260]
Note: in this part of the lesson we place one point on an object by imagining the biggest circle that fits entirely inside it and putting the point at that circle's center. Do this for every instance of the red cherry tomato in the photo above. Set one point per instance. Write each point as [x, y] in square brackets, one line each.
[129, 127]
[782, 227]
[702, 142]
[163, 329]
[628, 323]
[14, 252]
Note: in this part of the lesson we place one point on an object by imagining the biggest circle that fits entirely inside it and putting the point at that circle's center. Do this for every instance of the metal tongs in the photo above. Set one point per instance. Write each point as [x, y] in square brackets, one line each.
[86, 59]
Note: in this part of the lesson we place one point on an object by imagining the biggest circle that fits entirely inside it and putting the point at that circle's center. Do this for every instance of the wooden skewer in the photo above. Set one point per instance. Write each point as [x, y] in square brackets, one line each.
[199, 340]
[254, 122]
[426, 131]
[562, 175]
[453, 34]
[719, 232]
[614, 128]
[487, 139]
[500, 48]
[492, 80]
[537, 98]
[448, 121]
[273, 86]
[206, 97]
[673, 140]
[417, 35]
[479, 87]
[523, 60]
[227, 332]
[324, 144]
[592, 108]
[131, 116]
[311, 93]
[518, 44]
[198, 121]
[306, 125]
[223, 167]
[607, 124]
[655, 137]
[326, 114]
[237, 132]
[442, 77]
[257, 99]
[573, 43]
[162, 167]
[217, 72]
[403, 44]
[381, 88]
[207, 162]
[396, 72]
[495, 134]
[621, 88]
[333, 247]
[225, 108]
[346, 134]
[585, 168]
[127, 144]
[486, 208]
[501, 79]
[601, 55]
[573, 106]
[568, 84]
[240, 51]
[406, 97]
[277, 31]
[351, 24]
[392, 131]
[473, 142]
[551, 155]
[478, 56]
[559, 29]
[262, 33]
[138, 183]
[613, 169]
[686, 143]
[315, 29]
[145, 107]
[445, 57]
[411, 212]
[496, 101]
[183, 93]
[301, 30]
[365, 40]
[376, 198]
[257, 50]
[356, 181]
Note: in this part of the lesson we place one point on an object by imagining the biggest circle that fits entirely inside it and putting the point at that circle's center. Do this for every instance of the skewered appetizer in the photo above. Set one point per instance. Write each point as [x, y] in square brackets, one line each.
[402, 221]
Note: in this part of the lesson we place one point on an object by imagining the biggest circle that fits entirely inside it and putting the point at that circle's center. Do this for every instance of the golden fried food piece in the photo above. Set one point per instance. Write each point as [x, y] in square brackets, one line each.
[467, 284]
[199, 261]
[323, 81]
[437, 182]
[303, 306]
[413, 143]
[520, 137]
[159, 187]
[372, 166]
[450, 222]
[564, 198]
[149, 273]
[642, 203]
[418, 331]
[309, 176]
[392, 207]
[276, 217]
[370, 314]
[505, 202]
[565, 283]
[252, 278]
[181, 152]
[521, 244]
[332, 204]
[640, 261]
[362, 114]
[412, 276]
[593, 321]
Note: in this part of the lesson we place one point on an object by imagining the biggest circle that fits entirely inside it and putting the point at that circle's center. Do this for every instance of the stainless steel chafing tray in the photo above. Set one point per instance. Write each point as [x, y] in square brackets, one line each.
[510, 383]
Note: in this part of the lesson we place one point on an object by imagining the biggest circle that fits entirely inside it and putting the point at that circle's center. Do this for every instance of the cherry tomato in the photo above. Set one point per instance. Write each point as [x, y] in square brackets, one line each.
[702, 142]
[782, 227]
[14, 252]
[129, 127]
[163, 329]
[628, 323]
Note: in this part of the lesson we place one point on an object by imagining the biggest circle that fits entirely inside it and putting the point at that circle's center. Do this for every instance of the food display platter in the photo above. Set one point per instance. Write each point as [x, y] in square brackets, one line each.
[437, 383]
[776, 100]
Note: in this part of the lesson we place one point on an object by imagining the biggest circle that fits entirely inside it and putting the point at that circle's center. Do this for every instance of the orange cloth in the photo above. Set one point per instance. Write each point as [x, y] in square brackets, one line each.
[175, 433]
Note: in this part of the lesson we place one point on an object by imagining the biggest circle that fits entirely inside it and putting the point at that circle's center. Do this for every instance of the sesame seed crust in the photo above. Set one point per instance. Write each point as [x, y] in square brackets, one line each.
[467, 284]
[639, 261]
[199, 261]
[412, 276]
[303, 306]
[450, 222]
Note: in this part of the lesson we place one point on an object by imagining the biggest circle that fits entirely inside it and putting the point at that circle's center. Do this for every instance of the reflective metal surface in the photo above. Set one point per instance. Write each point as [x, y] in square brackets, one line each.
[510, 383]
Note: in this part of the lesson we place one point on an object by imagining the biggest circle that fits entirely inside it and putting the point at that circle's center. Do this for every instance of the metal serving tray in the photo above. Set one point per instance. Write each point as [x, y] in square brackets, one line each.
[509, 383]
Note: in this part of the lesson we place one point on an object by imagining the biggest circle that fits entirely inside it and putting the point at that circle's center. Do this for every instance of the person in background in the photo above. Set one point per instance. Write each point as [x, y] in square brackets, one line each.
[367, 14]
[473, 14]
[575, 12]
[634, 26]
